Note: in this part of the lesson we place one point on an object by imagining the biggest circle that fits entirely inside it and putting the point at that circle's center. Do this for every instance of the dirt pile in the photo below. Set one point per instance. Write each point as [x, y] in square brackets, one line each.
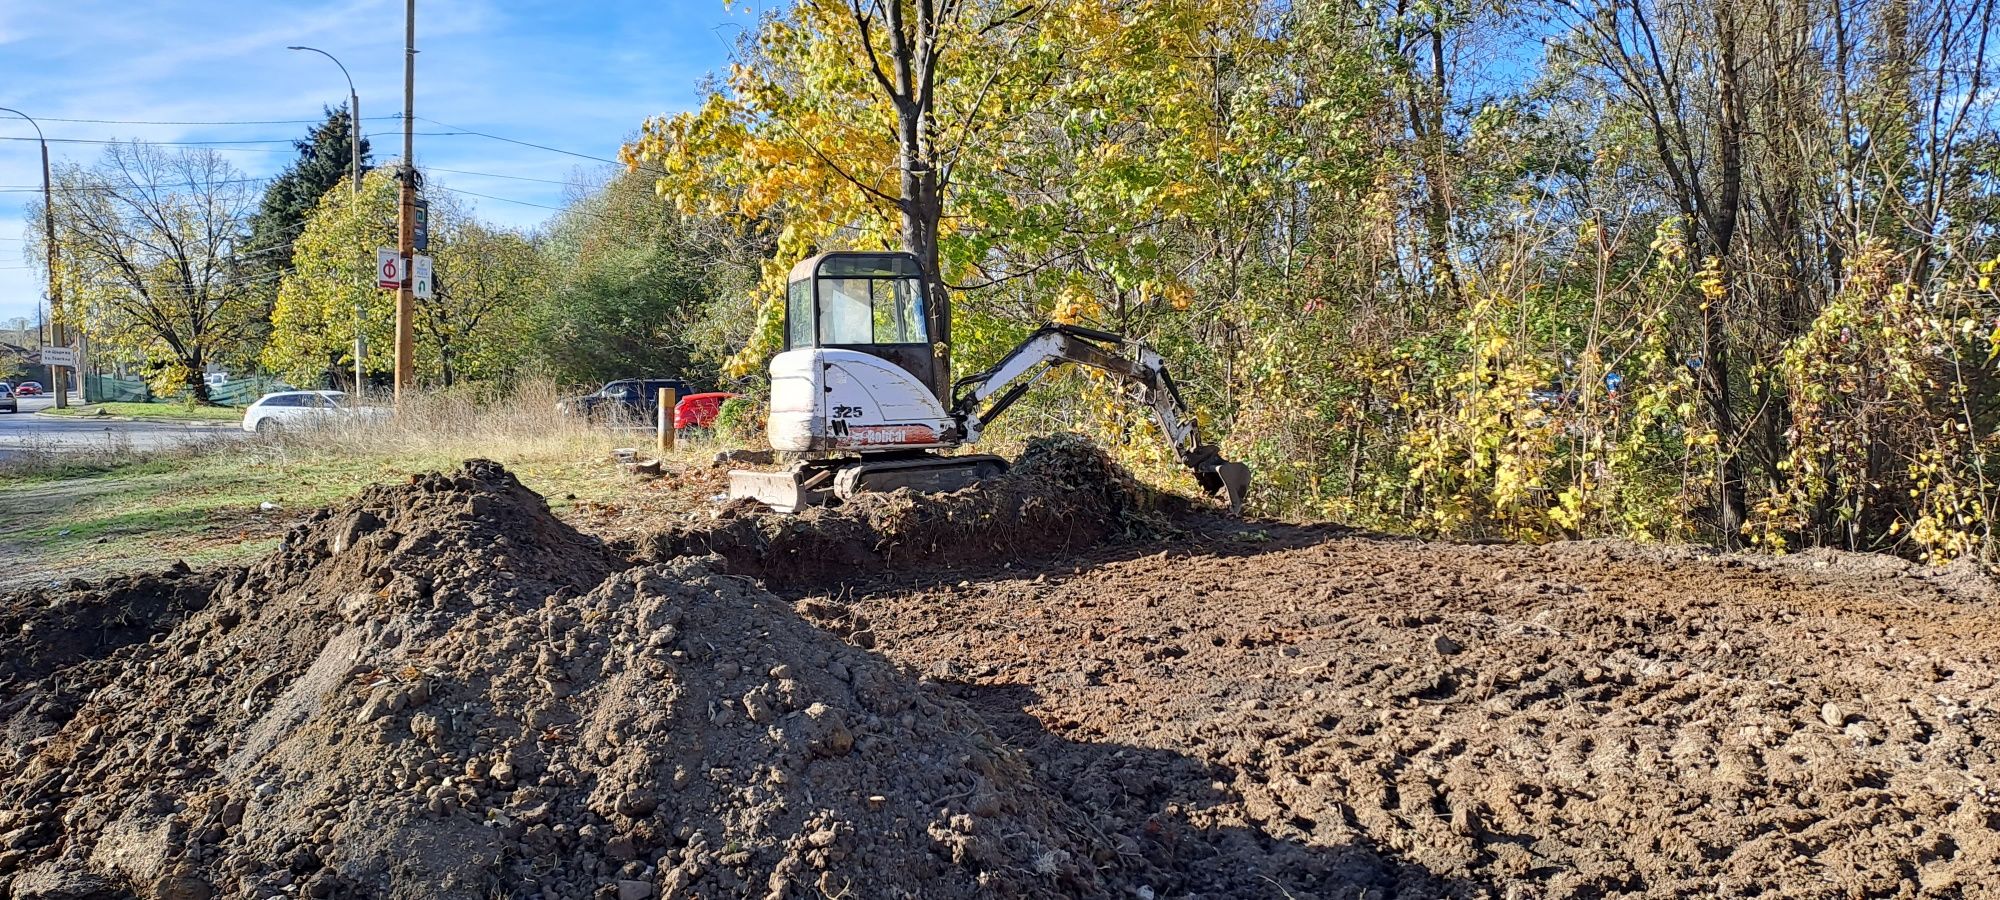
[53, 643]
[440, 690]
[1063, 495]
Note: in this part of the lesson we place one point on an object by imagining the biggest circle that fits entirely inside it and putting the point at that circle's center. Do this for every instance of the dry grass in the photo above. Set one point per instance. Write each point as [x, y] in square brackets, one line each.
[64, 514]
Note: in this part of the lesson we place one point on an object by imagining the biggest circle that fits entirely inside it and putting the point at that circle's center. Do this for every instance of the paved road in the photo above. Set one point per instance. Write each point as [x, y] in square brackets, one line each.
[25, 432]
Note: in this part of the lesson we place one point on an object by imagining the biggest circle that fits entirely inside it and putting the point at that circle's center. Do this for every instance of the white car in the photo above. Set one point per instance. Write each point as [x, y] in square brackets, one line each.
[300, 410]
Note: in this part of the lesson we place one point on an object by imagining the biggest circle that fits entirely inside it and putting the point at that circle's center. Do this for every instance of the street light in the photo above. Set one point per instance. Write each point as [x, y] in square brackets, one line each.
[56, 373]
[354, 183]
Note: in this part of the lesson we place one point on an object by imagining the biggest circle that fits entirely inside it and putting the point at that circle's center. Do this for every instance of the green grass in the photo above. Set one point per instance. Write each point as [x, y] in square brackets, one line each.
[180, 412]
[208, 508]
[86, 515]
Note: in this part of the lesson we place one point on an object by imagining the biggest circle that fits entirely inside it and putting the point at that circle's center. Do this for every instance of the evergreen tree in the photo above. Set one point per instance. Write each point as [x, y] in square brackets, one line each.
[324, 162]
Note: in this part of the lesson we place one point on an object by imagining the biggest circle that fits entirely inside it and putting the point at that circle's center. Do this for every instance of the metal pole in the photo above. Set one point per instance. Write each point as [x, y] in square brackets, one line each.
[354, 188]
[406, 201]
[361, 299]
[58, 377]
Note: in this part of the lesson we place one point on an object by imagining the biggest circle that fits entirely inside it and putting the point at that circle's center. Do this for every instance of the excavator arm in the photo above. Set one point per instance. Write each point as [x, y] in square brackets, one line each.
[981, 398]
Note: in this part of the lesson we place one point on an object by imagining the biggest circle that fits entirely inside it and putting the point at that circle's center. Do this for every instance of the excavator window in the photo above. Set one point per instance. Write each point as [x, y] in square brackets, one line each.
[799, 314]
[862, 299]
[844, 311]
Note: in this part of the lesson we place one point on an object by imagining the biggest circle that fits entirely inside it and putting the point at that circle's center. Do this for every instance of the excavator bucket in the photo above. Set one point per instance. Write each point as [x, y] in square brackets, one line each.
[1235, 478]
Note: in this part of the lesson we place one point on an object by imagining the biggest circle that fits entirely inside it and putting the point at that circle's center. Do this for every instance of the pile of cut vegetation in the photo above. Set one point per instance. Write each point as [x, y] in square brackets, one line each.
[441, 690]
[1063, 494]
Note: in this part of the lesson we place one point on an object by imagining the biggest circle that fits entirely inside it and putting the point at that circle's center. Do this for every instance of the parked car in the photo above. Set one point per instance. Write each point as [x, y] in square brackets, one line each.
[699, 410]
[295, 410]
[627, 399]
[7, 401]
[28, 388]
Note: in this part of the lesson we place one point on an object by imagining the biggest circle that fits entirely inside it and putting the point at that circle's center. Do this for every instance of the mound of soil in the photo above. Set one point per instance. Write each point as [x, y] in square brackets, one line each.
[440, 690]
[54, 643]
[1064, 494]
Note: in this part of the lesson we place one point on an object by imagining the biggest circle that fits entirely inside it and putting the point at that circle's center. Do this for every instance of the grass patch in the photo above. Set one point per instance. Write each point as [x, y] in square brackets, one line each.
[61, 517]
[177, 412]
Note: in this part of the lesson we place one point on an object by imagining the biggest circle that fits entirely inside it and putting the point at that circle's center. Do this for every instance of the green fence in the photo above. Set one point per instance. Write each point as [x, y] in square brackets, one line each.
[244, 391]
[238, 392]
[113, 389]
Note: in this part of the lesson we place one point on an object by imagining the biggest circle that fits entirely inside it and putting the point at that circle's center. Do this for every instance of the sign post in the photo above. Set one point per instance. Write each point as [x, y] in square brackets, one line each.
[65, 357]
[667, 401]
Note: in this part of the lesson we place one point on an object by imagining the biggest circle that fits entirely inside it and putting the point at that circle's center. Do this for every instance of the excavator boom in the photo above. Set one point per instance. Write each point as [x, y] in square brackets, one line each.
[983, 397]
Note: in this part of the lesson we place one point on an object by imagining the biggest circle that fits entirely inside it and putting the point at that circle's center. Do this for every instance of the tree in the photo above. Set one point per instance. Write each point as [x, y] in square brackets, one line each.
[473, 323]
[473, 326]
[147, 239]
[333, 274]
[838, 121]
[633, 286]
[325, 160]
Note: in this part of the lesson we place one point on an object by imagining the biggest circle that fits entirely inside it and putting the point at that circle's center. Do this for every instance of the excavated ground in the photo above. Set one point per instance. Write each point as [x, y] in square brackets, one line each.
[1330, 714]
[1055, 685]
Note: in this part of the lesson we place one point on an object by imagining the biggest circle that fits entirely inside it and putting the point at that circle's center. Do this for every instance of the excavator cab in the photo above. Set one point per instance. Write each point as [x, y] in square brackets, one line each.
[870, 303]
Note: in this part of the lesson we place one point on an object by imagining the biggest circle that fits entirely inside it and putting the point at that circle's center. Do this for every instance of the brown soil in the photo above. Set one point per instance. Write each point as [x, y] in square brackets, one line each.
[440, 690]
[1062, 495]
[1043, 686]
[1337, 714]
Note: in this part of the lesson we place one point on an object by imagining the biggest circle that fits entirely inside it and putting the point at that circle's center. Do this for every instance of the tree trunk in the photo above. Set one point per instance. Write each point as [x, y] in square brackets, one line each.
[1714, 319]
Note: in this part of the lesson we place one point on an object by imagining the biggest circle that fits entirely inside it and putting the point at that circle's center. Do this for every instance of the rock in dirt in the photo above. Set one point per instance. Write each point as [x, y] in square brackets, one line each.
[578, 735]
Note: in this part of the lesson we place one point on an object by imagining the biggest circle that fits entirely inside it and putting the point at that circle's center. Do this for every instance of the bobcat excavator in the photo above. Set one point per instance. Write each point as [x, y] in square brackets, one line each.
[856, 396]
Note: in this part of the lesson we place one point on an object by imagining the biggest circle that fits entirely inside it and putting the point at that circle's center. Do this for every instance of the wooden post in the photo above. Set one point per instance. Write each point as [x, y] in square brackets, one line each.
[667, 400]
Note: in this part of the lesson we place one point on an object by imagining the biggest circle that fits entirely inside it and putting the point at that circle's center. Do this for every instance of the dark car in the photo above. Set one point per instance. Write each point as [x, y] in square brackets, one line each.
[7, 401]
[634, 400]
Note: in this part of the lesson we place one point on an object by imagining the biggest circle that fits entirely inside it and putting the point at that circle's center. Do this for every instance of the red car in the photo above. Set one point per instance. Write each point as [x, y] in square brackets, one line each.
[28, 388]
[699, 410]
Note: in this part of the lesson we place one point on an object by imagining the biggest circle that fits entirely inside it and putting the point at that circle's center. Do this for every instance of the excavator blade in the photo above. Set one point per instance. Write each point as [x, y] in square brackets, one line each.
[1235, 478]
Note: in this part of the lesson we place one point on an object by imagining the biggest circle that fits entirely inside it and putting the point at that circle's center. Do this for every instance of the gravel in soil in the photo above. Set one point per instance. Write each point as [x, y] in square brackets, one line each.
[441, 690]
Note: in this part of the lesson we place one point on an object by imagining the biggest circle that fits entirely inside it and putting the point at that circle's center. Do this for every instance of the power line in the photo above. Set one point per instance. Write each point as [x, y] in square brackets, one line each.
[501, 199]
[245, 122]
[58, 140]
[492, 175]
[509, 140]
[36, 189]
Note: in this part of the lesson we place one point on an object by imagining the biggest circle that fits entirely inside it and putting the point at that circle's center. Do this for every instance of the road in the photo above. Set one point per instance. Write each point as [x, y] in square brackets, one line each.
[25, 432]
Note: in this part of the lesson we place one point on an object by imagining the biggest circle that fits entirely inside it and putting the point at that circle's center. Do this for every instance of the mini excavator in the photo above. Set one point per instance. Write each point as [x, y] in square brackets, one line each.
[856, 395]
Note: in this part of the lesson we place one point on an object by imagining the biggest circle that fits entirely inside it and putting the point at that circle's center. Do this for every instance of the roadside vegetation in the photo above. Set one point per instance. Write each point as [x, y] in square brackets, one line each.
[180, 412]
[65, 514]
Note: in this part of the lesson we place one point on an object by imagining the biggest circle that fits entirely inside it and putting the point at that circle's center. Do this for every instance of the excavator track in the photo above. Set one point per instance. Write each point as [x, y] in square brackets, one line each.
[817, 482]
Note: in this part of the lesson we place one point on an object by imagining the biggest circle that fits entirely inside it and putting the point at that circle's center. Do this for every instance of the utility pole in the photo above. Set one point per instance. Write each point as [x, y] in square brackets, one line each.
[354, 163]
[406, 212]
[58, 376]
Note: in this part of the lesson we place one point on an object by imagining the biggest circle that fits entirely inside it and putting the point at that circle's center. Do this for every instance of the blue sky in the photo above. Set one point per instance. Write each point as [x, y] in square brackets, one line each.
[578, 76]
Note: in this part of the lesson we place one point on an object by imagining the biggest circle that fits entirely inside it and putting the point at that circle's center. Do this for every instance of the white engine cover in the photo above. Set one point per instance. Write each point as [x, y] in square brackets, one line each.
[829, 399]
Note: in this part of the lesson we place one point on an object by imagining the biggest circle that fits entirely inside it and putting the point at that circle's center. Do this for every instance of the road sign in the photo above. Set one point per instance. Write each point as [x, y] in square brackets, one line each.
[420, 278]
[59, 356]
[389, 270]
[422, 225]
